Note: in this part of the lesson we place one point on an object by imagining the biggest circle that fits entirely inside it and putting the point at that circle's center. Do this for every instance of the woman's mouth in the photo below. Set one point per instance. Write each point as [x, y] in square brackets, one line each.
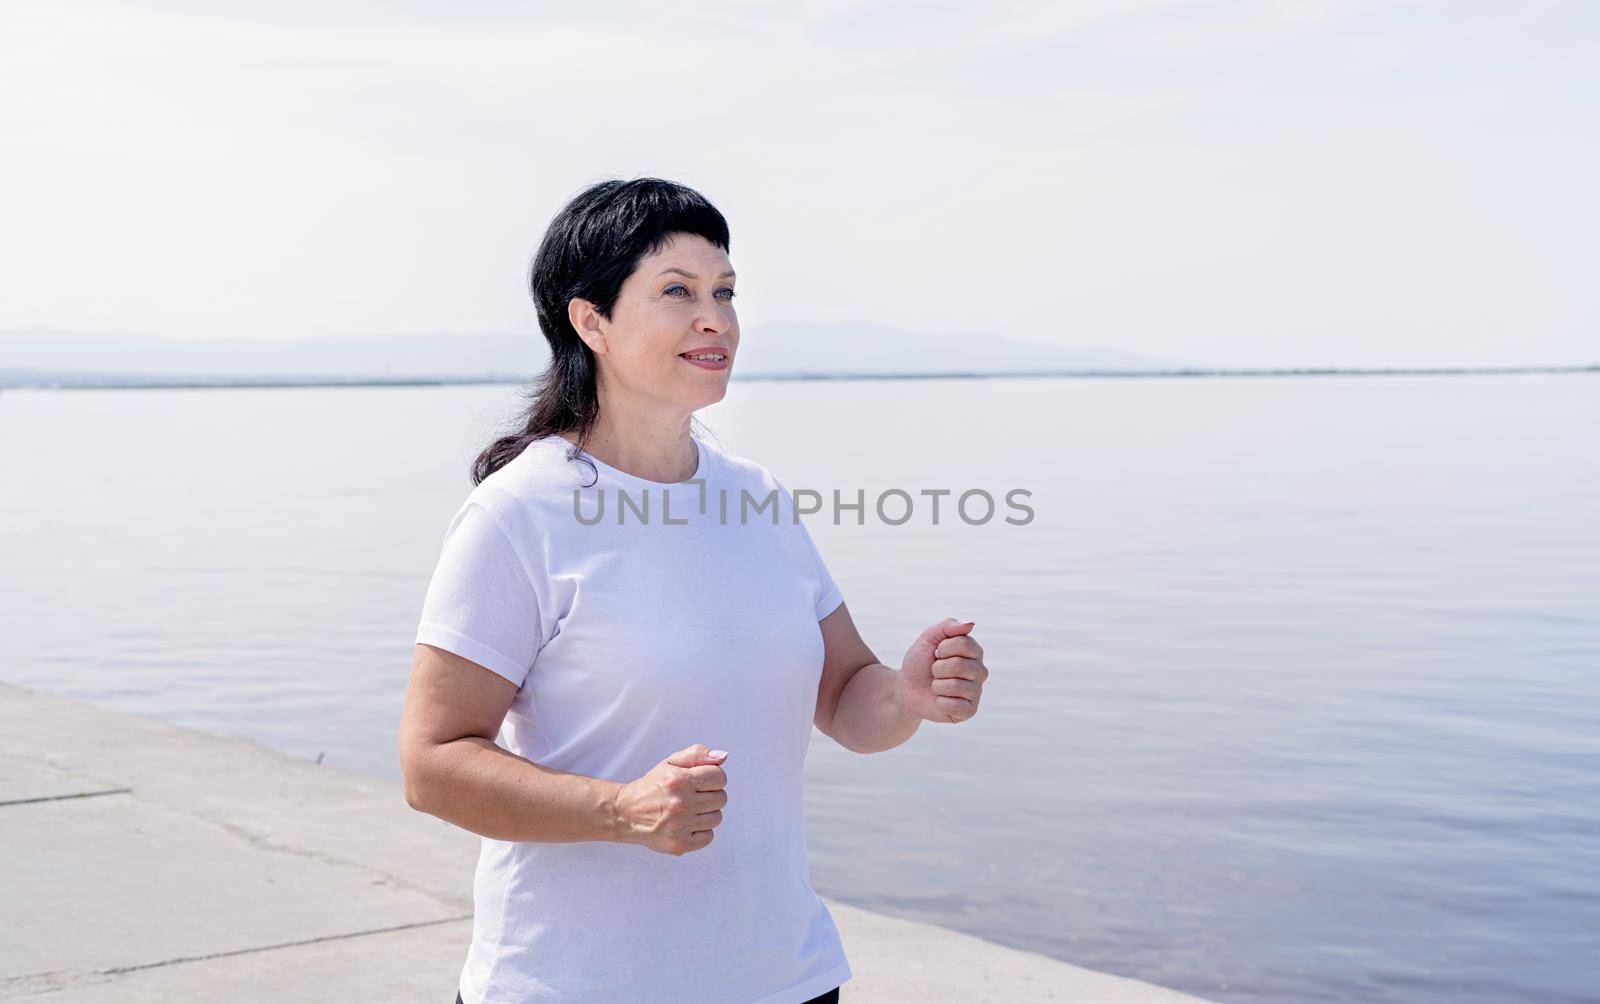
[706, 360]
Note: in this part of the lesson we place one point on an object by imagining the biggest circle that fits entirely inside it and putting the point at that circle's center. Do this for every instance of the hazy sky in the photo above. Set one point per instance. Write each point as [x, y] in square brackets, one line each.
[1301, 183]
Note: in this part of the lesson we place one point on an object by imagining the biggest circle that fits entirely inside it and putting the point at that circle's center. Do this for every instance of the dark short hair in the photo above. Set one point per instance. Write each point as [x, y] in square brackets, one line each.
[589, 249]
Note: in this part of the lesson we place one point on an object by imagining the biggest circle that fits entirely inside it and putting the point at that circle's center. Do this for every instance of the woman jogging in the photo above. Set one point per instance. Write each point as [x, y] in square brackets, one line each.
[620, 660]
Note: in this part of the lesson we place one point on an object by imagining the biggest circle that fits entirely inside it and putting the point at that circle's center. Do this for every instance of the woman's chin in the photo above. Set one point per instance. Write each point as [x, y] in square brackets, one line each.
[708, 393]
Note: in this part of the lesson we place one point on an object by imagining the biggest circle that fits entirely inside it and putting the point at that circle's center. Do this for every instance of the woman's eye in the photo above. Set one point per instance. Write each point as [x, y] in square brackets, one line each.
[674, 289]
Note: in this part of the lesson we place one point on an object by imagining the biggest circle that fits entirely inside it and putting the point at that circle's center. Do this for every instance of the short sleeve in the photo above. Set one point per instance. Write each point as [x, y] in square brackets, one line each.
[481, 604]
[828, 595]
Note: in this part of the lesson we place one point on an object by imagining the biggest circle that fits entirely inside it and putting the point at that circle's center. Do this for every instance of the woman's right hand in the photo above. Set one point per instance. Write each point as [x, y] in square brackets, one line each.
[674, 808]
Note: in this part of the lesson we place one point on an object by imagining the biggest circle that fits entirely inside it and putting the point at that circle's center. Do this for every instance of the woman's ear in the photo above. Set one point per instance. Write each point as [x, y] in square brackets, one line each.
[586, 321]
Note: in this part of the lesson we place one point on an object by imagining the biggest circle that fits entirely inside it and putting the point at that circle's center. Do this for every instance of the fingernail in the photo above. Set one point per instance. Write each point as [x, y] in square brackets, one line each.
[717, 753]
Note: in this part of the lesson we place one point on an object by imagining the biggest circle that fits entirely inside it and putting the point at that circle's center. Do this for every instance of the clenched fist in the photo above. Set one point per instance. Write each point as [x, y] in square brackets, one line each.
[676, 806]
[942, 677]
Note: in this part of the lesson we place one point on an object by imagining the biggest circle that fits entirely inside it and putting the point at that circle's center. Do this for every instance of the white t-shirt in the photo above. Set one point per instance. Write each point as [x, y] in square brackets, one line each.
[629, 642]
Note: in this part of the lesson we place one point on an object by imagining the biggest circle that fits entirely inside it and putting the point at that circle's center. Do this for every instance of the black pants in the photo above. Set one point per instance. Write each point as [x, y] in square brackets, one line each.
[831, 997]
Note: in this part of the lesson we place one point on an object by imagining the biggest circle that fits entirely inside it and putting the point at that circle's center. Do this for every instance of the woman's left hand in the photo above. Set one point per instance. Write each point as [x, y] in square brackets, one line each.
[943, 673]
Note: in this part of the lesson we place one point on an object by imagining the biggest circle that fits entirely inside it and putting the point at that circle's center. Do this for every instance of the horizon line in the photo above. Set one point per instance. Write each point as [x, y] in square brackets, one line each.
[73, 380]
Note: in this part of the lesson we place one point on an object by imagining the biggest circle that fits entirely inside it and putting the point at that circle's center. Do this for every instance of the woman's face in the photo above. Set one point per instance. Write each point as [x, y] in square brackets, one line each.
[677, 303]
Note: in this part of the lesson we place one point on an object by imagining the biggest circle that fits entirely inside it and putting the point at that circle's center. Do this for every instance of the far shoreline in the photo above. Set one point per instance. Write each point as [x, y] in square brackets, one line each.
[69, 381]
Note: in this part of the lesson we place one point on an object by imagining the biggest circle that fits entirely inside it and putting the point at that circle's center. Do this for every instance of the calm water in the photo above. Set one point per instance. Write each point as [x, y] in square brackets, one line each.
[1296, 682]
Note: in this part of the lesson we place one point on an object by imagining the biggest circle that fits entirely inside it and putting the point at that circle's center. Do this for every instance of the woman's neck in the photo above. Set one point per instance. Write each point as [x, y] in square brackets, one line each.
[650, 450]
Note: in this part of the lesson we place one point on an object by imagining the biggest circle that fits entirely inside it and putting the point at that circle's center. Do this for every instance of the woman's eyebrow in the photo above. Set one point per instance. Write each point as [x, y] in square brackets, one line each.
[725, 275]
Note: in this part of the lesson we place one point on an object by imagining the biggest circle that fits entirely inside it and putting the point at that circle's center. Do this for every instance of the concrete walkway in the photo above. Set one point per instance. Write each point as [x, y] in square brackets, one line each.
[141, 861]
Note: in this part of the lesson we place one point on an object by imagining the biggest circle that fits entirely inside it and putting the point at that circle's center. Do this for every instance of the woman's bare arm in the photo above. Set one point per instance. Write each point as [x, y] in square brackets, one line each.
[858, 702]
[454, 769]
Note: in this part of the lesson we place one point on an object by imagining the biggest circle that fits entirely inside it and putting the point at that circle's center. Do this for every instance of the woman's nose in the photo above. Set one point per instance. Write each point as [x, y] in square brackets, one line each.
[717, 318]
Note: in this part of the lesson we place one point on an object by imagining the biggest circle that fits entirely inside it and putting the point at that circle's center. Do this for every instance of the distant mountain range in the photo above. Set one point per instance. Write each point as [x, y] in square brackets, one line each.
[38, 356]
